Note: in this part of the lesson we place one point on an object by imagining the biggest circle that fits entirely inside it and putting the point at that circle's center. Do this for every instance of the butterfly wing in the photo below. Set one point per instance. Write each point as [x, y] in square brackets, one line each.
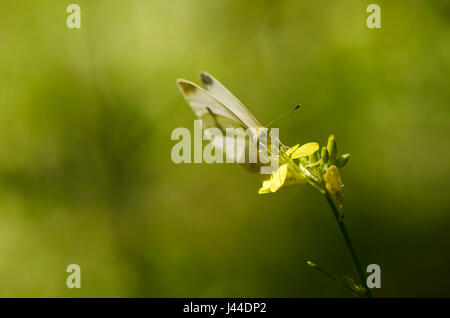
[214, 114]
[216, 89]
[203, 103]
[218, 107]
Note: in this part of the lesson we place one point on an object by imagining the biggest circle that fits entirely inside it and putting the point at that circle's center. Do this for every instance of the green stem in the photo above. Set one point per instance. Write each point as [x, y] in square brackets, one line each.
[349, 244]
[315, 266]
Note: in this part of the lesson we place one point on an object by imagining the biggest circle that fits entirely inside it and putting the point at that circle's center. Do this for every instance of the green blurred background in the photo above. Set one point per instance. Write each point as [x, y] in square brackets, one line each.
[86, 175]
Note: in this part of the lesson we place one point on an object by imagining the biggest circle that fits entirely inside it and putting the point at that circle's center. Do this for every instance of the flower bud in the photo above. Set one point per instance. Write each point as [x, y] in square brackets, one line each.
[324, 155]
[314, 157]
[341, 161]
[332, 150]
[358, 290]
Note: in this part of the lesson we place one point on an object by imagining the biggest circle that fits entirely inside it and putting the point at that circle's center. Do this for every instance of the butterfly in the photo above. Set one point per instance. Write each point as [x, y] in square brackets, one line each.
[217, 107]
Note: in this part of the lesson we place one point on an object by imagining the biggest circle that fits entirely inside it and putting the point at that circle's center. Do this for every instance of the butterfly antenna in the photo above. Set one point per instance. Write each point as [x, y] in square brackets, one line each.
[280, 117]
[283, 115]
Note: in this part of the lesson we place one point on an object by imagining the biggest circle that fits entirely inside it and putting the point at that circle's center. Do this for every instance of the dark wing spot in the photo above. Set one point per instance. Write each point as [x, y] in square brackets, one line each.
[187, 88]
[206, 79]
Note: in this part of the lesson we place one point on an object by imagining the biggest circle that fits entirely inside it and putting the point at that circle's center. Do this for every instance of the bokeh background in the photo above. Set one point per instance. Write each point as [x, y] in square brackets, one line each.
[86, 175]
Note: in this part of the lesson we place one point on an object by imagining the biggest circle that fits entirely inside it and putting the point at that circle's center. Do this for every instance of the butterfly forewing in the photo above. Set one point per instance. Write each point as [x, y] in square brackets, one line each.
[203, 103]
[222, 94]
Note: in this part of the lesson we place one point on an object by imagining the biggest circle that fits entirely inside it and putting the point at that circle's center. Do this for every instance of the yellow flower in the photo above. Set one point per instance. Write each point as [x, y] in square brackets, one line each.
[276, 180]
[291, 172]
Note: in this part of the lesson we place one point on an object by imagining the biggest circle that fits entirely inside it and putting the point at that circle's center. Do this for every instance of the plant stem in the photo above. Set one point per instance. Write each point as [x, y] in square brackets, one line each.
[328, 274]
[349, 244]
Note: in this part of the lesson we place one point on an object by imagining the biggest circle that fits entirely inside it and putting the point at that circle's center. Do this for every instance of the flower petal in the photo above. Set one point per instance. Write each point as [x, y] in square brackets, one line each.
[291, 150]
[305, 150]
[265, 187]
[278, 178]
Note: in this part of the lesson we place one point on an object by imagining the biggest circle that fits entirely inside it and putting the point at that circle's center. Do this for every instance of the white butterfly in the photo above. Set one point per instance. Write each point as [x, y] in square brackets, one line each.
[217, 107]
